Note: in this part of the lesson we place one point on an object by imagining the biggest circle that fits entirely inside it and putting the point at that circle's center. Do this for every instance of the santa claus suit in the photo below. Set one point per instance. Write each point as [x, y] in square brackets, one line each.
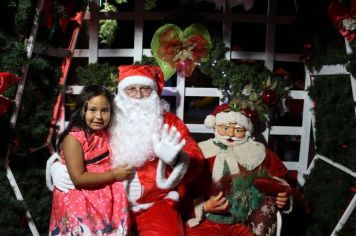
[155, 210]
[153, 190]
[251, 155]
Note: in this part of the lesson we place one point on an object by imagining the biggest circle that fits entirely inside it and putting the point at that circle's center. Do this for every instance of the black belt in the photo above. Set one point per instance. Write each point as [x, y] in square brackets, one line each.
[96, 159]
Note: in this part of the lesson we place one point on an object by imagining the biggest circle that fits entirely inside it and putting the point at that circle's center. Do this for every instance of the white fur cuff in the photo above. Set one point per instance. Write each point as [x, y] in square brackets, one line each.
[198, 211]
[177, 174]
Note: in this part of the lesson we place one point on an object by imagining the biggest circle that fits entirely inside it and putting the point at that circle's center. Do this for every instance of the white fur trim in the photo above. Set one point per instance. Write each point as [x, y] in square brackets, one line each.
[137, 79]
[220, 160]
[209, 121]
[226, 118]
[174, 195]
[198, 211]
[140, 207]
[177, 174]
[144, 206]
[209, 149]
[243, 121]
[49, 182]
[279, 223]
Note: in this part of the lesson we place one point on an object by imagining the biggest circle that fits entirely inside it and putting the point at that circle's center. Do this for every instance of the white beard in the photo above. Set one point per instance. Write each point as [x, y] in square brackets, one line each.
[135, 121]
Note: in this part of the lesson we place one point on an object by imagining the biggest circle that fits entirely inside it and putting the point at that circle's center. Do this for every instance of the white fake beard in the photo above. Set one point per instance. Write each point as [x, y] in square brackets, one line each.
[226, 140]
[135, 122]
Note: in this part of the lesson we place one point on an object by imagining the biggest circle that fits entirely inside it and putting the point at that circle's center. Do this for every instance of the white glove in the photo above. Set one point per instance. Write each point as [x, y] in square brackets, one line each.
[168, 147]
[60, 177]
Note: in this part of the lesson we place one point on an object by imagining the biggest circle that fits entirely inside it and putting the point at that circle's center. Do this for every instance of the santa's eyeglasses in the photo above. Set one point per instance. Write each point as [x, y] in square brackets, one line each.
[231, 129]
[138, 89]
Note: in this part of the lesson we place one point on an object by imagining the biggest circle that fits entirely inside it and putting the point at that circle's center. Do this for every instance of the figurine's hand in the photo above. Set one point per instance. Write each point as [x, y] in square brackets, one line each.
[216, 204]
[170, 144]
[60, 177]
[282, 199]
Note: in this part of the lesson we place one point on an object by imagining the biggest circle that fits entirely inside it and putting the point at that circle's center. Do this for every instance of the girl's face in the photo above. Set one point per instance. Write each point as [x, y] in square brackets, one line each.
[97, 114]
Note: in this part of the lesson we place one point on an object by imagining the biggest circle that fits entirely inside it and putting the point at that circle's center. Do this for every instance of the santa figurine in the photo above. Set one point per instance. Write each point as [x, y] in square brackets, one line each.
[242, 185]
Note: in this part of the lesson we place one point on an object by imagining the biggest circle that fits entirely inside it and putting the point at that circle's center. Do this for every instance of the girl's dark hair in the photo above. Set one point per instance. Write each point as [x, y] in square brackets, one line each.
[77, 119]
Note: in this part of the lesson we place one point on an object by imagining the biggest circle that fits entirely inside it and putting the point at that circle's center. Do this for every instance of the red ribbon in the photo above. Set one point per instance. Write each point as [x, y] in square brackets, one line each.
[338, 13]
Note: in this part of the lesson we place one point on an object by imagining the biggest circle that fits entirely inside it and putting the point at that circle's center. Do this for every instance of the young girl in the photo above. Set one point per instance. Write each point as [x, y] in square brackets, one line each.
[98, 205]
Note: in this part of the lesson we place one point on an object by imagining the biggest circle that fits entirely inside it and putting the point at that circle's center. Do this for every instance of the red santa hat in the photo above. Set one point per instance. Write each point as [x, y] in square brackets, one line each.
[141, 74]
[222, 114]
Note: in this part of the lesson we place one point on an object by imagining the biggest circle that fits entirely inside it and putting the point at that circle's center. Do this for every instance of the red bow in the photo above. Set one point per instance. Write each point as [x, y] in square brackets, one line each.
[344, 19]
[6, 80]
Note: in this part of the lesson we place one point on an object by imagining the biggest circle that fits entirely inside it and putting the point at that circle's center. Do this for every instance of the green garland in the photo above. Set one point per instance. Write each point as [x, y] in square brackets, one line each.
[108, 28]
[98, 73]
[327, 188]
[242, 84]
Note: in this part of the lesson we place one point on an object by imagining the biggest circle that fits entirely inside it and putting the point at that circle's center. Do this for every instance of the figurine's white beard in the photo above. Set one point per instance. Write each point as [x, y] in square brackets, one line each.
[133, 125]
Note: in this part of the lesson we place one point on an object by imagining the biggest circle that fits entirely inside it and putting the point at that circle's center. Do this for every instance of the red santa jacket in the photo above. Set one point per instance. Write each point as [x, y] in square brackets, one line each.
[149, 191]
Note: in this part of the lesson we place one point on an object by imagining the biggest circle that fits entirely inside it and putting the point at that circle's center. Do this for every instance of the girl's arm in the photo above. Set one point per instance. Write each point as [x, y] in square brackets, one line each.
[73, 155]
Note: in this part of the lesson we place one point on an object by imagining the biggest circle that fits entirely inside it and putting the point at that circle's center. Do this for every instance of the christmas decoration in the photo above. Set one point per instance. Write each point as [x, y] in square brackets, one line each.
[95, 73]
[269, 97]
[177, 50]
[343, 18]
[250, 88]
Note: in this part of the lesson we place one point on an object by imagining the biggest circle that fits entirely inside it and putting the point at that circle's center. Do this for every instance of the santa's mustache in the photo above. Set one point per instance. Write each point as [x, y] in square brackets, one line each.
[230, 138]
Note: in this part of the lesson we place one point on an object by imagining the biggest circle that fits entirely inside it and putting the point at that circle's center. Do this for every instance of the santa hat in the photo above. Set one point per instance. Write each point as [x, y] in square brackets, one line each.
[222, 114]
[141, 74]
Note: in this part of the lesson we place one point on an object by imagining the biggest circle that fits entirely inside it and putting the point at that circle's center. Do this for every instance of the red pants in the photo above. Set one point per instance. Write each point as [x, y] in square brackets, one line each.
[209, 228]
[162, 219]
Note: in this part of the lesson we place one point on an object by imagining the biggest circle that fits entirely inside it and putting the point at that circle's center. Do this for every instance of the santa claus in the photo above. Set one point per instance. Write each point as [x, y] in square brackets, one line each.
[145, 135]
[226, 200]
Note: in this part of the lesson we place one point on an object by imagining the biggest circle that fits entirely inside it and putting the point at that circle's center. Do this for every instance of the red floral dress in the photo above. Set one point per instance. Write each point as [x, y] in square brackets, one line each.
[103, 210]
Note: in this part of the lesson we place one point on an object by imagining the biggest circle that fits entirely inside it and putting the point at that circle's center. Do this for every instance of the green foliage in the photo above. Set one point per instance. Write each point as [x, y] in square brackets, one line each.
[108, 28]
[328, 189]
[23, 17]
[335, 119]
[147, 61]
[12, 54]
[12, 217]
[31, 181]
[244, 196]
[97, 73]
[241, 84]
[327, 201]
[150, 5]
[37, 105]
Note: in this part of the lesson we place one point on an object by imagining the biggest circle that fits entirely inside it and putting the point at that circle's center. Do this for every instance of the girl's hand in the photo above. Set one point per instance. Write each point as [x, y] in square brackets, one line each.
[122, 172]
[216, 204]
[282, 199]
